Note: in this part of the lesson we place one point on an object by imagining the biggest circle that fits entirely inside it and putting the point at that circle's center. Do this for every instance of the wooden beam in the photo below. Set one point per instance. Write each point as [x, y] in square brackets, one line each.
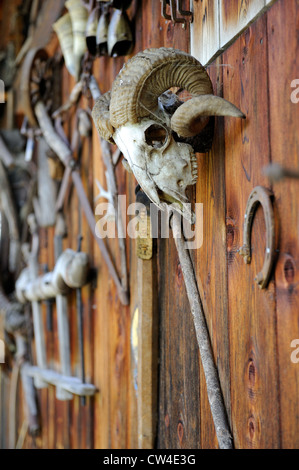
[147, 353]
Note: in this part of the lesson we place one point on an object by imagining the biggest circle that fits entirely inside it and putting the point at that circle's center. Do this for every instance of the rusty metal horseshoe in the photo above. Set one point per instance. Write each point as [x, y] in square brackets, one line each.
[262, 196]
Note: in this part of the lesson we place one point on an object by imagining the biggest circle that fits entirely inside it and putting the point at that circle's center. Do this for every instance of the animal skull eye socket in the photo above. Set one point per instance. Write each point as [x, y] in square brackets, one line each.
[156, 136]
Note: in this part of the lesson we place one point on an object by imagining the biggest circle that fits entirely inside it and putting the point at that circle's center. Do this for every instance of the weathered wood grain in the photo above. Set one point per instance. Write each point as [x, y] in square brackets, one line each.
[211, 261]
[147, 367]
[179, 372]
[252, 316]
[132, 267]
[205, 39]
[251, 330]
[282, 28]
[218, 23]
[235, 16]
[101, 314]
[88, 302]
[179, 401]
[45, 406]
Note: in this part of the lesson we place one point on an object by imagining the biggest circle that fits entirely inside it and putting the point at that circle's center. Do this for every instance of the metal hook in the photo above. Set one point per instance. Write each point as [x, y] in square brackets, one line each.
[175, 6]
[184, 12]
[262, 196]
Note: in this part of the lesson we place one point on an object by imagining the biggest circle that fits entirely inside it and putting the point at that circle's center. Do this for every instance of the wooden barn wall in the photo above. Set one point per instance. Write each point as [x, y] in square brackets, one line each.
[251, 330]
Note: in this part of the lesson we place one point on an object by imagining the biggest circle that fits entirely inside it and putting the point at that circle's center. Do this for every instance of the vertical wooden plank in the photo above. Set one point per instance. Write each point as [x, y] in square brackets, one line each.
[88, 298]
[101, 305]
[211, 263]
[152, 22]
[133, 365]
[75, 406]
[179, 403]
[158, 32]
[49, 422]
[44, 394]
[252, 318]
[129, 191]
[63, 408]
[147, 353]
[163, 437]
[119, 373]
[235, 16]
[205, 40]
[117, 322]
[119, 335]
[283, 21]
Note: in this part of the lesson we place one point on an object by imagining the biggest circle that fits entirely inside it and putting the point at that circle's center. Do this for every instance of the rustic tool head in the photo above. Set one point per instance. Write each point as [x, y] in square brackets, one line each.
[79, 17]
[158, 134]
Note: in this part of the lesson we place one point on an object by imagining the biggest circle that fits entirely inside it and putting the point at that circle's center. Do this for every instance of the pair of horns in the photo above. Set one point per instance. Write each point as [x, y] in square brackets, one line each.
[109, 36]
[70, 29]
[136, 90]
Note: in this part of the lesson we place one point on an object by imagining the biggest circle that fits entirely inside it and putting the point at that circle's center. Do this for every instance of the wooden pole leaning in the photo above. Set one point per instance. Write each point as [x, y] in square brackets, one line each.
[203, 338]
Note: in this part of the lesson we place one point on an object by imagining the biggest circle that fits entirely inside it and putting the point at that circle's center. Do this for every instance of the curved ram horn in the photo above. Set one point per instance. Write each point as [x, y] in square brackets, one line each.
[64, 31]
[101, 117]
[146, 76]
[193, 115]
[79, 18]
[102, 33]
[91, 31]
[120, 37]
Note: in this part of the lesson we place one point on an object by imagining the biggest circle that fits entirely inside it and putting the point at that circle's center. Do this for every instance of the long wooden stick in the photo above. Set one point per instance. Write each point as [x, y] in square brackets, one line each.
[123, 295]
[210, 371]
[65, 154]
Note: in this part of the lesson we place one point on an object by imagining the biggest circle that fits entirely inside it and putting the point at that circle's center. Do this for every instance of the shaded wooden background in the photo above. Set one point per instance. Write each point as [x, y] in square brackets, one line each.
[251, 330]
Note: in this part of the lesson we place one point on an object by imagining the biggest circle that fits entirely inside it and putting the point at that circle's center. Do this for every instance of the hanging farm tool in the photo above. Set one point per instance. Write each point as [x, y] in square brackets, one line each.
[70, 272]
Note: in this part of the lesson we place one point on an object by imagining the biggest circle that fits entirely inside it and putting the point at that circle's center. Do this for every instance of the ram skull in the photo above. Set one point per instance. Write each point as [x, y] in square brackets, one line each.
[156, 132]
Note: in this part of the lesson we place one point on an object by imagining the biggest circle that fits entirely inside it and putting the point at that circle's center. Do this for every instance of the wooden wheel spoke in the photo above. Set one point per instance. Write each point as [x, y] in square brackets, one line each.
[42, 69]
